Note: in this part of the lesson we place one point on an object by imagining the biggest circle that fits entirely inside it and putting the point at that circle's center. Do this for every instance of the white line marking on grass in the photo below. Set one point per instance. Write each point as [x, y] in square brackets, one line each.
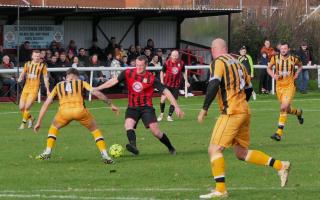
[41, 196]
[186, 105]
[79, 190]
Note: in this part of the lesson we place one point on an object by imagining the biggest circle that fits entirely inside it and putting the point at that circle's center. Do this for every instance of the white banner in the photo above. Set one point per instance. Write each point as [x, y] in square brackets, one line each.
[39, 36]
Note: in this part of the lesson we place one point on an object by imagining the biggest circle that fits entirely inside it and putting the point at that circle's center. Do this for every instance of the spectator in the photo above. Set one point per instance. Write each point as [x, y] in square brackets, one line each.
[150, 45]
[246, 60]
[53, 62]
[72, 47]
[25, 52]
[155, 63]
[75, 64]
[43, 55]
[124, 61]
[305, 56]
[94, 49]
[70, 55]
[268, 49]
[133, 63]
[98, 77]
[132, 53]
[111, 46]
[139, 50]
[8, 79]
[48, 56]
[53, 76]
[53, 46]
[63, 60]
[265, 81]
[108, 60]
[160, 55]
[60, 48]
[57, 54]
[117, 64]
[83, 58]
[148, 54]
[188, 57]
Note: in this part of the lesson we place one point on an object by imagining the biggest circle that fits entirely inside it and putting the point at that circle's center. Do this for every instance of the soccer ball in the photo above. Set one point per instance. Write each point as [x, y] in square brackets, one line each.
[116, 150]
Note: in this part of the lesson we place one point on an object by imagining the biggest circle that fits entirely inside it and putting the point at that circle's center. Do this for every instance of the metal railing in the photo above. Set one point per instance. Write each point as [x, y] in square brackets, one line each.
[93, 69]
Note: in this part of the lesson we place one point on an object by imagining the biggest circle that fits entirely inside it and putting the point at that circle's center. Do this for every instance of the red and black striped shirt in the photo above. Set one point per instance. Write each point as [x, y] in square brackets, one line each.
[140, 87]
[173, 73]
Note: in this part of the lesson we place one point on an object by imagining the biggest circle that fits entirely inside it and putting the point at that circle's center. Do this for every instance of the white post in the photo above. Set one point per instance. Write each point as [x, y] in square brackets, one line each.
[318, 76]
[185, 85]
[91, 80]
[273, 83]
[39, 95]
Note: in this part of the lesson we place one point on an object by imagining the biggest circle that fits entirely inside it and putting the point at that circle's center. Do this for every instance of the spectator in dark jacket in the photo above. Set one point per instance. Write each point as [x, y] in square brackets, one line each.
[95, 49]
[83, 58]
[305, 56]
[25, 52]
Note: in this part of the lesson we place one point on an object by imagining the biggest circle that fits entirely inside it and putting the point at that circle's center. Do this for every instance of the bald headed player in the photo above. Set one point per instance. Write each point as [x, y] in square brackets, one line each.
[170, 77]
[71, 108]
[230, 83]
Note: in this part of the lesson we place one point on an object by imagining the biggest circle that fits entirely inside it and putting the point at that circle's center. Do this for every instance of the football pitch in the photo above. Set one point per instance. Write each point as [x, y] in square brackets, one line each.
[75, 170]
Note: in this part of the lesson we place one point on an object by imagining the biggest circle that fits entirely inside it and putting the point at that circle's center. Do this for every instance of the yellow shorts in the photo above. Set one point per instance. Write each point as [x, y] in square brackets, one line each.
[82, 115]
[28, 95]
[286, 94]
[232, 129]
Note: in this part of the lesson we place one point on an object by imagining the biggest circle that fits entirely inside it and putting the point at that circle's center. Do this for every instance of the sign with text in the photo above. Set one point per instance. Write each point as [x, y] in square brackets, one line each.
[39, 36]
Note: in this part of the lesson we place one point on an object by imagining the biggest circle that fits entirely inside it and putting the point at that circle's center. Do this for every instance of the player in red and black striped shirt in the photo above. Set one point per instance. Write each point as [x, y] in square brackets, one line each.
[141, 84]
[170, 76]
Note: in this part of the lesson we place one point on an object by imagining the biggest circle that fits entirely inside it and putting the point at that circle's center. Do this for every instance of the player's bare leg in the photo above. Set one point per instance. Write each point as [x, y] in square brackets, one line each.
[162, 107]
[162, 137]
[132, 145]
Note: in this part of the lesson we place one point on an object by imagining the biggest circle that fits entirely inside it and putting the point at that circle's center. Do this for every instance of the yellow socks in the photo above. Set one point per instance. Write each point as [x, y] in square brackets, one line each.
[260, 158]
[52, 137]
[282, 122]
[25, 116]
[218, 172]
[99, 140]
[295, 111]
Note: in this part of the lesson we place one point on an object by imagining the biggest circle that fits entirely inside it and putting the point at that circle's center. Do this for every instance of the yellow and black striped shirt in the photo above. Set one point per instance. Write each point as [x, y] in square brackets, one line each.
[33, 73]
[70, 93]
[284, 68]
[234, 79]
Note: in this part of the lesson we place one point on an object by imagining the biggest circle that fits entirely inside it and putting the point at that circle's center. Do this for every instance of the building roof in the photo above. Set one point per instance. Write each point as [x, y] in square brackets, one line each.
[33, 10]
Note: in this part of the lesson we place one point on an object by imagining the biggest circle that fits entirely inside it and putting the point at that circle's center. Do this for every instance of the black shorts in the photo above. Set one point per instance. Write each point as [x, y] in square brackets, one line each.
[174, 91]
[146, 113]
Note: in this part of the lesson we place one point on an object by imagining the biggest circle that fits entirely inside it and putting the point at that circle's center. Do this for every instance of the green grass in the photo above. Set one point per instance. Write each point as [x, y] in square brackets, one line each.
[76, 172]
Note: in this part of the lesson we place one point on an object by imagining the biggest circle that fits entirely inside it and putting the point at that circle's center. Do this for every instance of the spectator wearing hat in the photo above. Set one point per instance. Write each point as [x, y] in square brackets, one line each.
[305, 56]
